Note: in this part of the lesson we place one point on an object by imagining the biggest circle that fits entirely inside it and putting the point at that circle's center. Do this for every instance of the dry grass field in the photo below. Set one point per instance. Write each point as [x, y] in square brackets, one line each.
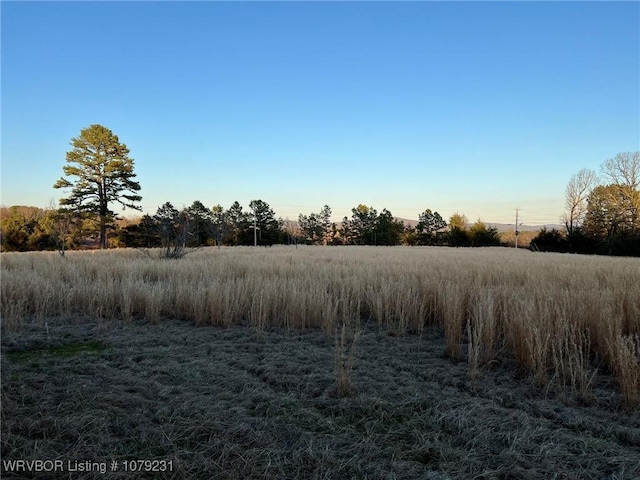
[324, 362]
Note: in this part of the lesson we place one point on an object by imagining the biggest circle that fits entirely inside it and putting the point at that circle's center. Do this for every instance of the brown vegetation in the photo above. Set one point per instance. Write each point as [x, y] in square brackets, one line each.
[560, 317]
[342, 371]
[508, 237]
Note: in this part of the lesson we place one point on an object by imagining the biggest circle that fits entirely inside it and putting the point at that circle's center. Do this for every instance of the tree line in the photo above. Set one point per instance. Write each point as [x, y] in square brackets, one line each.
[602, 211]
[100, 173]
[600, 217]
[174, 230]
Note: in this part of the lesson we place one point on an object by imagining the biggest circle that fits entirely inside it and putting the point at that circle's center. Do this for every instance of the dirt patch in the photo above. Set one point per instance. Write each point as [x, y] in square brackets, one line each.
[235, 403]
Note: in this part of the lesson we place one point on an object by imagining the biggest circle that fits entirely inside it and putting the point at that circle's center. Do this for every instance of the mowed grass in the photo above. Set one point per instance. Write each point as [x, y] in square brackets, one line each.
[323, 362]
[235, 403]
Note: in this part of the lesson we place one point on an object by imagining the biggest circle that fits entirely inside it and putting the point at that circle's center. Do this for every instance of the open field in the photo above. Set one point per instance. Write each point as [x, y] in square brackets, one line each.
[228, 402]
[325, 362]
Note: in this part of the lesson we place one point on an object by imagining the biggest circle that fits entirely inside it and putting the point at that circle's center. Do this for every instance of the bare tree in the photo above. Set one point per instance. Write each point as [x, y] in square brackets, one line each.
[623, 169]
[293, 232]
[576, 195]
[174, 228]
[61, 225]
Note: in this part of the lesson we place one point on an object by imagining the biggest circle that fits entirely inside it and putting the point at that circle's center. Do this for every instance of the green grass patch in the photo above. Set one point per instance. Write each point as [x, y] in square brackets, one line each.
[68, 350]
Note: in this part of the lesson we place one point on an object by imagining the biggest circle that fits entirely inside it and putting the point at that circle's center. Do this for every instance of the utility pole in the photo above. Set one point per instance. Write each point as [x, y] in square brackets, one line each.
[255, 232]
[517, 232]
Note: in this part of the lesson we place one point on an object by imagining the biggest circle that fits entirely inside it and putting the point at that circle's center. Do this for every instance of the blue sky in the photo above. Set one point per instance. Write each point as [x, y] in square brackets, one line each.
[470, 107]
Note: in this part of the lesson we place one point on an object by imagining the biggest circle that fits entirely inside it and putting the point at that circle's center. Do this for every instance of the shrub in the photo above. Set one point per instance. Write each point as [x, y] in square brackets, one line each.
[549, 241]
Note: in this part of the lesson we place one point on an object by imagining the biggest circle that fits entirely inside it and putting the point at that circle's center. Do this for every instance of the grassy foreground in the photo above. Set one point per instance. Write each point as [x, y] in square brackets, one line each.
[324, 363]
[232, 403]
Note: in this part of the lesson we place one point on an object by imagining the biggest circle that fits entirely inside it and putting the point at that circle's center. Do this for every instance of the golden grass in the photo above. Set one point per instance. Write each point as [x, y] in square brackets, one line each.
[557, 315]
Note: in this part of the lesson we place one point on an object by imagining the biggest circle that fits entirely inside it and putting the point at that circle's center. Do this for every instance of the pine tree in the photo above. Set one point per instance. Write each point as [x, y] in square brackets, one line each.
[104, 175]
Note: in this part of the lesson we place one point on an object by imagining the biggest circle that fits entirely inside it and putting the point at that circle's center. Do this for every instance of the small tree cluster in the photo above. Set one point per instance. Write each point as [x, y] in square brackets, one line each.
[367, 227]
[173, 228]
[198, 226]
[477, 235]
[602, 212]
[430, 229]
[30, 228]
[315, 228]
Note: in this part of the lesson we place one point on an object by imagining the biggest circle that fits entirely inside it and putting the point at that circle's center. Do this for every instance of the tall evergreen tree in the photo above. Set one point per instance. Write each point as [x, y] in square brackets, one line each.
[362, 226]
[264, 220]
[428, 225]
[104, 175]
[316, 227]
[388, 230]
[202, 228]
[219, 223]
[238, 223]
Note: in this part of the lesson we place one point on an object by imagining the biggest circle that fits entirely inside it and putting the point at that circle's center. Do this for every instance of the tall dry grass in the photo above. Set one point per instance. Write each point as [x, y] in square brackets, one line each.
[559, 316]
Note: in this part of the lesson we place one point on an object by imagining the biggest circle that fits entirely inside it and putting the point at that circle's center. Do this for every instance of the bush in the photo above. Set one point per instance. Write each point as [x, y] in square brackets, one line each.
[483, 236]
[458, 237]
[549, 241]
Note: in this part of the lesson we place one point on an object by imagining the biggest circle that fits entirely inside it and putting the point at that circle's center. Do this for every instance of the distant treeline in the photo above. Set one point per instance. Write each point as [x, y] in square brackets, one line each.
[600, 217]
[30, 228]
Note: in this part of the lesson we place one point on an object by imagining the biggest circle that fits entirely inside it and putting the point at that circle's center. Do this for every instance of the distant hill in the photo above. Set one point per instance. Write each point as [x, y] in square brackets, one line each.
[505, 227]
[502, 227]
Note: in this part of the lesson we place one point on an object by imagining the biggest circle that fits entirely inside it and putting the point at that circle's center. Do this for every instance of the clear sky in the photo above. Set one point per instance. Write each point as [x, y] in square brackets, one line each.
[467, 107]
